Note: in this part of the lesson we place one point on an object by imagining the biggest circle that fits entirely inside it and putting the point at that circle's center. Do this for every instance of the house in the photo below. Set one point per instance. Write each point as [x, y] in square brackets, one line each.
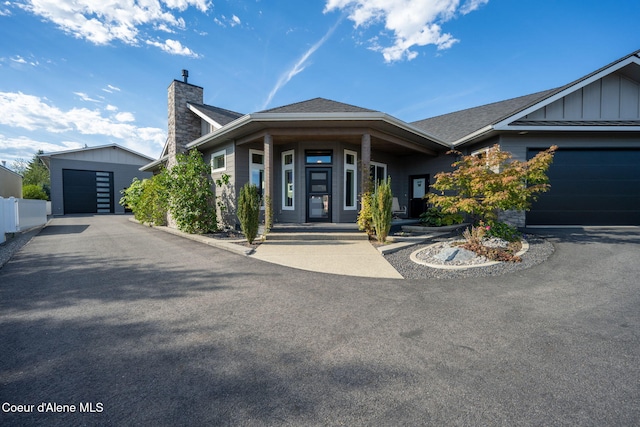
[10, 183]
[313, 158]
[595, 122]
[89, 180]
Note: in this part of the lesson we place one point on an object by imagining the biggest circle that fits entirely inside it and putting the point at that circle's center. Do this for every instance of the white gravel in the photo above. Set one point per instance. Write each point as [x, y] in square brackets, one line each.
[539, 251]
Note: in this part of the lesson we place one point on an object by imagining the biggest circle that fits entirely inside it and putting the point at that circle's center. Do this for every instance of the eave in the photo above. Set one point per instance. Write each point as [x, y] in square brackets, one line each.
[250, 126]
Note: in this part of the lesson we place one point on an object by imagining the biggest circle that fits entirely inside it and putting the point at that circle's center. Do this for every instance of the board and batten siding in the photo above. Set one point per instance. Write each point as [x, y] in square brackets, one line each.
[613, 97]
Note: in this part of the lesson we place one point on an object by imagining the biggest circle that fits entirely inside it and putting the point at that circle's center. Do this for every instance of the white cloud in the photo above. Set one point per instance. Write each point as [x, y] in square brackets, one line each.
[174, 47]
[20, 60]
[101, 22]
[23, 147]
[32, 113]
[223, 21]
[413, 22]
[85, 97]
[111, 89]
[125, 117]
[111, 108]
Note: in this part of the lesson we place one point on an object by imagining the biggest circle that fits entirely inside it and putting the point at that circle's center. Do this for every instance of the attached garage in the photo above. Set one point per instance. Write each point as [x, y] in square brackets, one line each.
[89, 180]
[590, 187]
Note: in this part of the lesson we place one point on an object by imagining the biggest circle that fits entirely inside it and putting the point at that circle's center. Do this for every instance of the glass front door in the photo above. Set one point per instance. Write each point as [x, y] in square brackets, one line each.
[319, 194]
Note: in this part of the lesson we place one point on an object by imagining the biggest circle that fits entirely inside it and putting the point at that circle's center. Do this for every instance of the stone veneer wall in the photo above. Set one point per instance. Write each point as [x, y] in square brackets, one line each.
[183, 125]
[514, 218]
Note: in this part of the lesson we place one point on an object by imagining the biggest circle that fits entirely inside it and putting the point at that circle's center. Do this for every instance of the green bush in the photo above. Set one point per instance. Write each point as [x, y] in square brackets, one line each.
[502, 230]
[191, 198]
[148, 199]
[381, 209]
[249, 211]
[365, 218]
[434, 217]
[33, 191]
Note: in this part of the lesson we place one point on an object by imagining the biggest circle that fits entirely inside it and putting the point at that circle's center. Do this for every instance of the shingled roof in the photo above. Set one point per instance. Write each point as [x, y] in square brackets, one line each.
[453, 126]
[219, 115]
[318, 105]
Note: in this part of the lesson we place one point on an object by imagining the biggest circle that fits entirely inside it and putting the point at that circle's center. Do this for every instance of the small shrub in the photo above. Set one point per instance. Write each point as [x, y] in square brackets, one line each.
[249, 211]
[474, 235]
[503, 231]
[34, 191]
[435, 217]
[474, 242]
[494, 254]
[381, 209]
[365, 217]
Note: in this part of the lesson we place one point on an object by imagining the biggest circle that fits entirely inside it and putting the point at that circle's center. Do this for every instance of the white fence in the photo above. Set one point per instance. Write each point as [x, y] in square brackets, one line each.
[18, 215]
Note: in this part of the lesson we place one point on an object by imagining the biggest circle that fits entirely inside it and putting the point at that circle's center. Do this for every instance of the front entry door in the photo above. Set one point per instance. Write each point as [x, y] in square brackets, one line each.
[319, 194]
[418, 185]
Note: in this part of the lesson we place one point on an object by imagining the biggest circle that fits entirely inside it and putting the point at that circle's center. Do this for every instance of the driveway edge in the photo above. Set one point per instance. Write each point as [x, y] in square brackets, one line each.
[225, 245]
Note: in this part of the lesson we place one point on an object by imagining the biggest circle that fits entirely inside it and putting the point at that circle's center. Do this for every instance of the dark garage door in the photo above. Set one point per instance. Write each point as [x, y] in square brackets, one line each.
[87, 191]
[590, 187]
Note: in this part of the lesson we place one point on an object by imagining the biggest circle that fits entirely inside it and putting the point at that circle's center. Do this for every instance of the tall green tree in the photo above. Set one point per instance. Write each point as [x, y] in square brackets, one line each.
[34, 173]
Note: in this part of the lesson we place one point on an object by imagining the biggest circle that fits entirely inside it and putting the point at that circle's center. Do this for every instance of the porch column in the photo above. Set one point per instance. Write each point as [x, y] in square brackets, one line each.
[268, 181]
[365, 154]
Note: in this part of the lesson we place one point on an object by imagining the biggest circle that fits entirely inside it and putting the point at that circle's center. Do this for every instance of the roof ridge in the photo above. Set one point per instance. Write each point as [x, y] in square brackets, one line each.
[318, 98]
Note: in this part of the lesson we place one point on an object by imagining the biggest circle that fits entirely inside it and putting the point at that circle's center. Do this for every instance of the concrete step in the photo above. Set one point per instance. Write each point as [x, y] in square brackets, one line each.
[333, 235]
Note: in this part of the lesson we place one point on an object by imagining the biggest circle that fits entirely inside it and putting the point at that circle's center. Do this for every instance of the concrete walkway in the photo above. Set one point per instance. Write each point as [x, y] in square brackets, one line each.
[345, 257]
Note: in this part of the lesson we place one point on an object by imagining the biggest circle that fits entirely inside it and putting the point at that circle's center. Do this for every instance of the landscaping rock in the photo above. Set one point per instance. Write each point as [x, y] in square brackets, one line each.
[447, 254]
[464, 255]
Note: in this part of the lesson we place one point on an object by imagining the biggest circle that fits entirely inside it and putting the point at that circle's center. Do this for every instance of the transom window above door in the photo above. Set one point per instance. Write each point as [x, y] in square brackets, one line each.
[318, 157]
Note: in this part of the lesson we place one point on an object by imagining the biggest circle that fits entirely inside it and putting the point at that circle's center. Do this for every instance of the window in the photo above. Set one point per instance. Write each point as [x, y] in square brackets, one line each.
[288, 174]
[350, 179]
[484, 154]
[256, 170]
[318, 157]
[378, 172]
[218, 161]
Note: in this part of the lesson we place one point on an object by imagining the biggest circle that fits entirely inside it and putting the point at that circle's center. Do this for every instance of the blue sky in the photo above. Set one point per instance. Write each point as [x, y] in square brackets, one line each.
[96, 72]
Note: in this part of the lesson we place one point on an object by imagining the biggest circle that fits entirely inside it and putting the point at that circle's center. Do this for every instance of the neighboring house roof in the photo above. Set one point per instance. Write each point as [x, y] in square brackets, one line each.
[454, 126]
[318, 105]
[7, 170]
[99, 154]
[468, 125]
[215, 115]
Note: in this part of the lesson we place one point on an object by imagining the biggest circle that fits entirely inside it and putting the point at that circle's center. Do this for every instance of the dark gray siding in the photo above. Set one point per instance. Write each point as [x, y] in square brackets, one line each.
[122, 177]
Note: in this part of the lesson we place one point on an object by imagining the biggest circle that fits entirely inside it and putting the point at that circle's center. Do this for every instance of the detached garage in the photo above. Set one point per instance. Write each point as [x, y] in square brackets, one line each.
[89, 180]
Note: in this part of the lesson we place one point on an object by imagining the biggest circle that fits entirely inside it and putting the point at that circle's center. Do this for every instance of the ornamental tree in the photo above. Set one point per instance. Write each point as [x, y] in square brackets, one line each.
[482, 186]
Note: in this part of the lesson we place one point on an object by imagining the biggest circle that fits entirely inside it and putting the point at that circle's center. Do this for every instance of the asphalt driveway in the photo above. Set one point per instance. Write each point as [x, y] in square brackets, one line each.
[146, 328]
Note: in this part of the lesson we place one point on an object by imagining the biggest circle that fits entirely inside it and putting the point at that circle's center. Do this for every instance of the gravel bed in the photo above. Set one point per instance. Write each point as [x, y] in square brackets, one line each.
[13, 245]
[539, 251]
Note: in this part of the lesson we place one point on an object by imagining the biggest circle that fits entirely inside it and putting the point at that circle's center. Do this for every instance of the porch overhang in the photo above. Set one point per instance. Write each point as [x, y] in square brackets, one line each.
[387, 132]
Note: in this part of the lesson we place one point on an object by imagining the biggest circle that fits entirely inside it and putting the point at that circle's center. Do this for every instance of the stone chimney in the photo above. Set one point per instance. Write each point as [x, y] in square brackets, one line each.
[184, 125]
